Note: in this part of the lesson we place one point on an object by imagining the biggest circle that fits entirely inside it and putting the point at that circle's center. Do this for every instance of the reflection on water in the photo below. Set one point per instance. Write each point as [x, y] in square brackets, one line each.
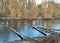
[21, 27]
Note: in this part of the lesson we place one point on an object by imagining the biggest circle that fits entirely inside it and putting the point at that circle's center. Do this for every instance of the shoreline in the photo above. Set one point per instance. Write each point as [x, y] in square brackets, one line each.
[8, 18]
[45, 39]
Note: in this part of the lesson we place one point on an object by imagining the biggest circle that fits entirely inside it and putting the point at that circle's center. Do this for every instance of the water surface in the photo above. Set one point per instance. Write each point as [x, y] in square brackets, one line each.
[20, 25]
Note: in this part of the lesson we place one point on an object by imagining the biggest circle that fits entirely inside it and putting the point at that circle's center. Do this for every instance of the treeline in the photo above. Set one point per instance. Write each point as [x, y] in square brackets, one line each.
[22, 9]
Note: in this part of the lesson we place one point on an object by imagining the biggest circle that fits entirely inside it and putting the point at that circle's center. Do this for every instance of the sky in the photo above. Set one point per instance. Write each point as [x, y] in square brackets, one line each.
[39, 1]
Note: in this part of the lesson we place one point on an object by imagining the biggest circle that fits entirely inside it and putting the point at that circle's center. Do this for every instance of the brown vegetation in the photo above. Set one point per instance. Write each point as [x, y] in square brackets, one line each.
[20, 9]
[51, 10]
[51, 39]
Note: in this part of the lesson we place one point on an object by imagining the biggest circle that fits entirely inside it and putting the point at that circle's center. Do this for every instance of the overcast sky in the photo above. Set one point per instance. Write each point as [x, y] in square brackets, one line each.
[39, 1]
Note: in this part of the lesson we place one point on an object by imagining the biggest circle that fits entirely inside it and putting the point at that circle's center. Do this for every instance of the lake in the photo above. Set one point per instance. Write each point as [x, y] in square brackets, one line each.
[21, 26]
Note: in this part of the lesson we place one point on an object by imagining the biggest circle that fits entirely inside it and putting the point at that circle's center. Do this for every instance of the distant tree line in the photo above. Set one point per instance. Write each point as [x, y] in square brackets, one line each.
[28, 9]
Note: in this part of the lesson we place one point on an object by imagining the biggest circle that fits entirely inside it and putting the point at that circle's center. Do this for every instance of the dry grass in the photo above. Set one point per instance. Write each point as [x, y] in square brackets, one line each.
[50, 39]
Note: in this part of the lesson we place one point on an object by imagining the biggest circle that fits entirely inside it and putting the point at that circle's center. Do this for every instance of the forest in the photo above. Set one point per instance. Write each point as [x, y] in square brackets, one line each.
[29, 10]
